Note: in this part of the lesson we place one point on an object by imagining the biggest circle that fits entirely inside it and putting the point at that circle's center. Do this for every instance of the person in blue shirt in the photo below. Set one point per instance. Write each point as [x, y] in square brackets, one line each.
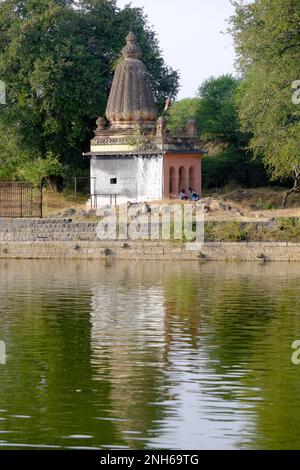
[193, 196]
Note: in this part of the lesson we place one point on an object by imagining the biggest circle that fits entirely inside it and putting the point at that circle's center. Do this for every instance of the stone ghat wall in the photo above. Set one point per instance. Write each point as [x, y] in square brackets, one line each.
[33, 230]
[63, 229]
[258, 252]
[61, 238]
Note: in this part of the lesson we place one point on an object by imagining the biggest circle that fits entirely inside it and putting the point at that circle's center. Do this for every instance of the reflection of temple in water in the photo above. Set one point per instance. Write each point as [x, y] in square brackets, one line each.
[134, 330]
[128, 342]
[135, 354]
[147, 326]
[118, 323]
[128, 334]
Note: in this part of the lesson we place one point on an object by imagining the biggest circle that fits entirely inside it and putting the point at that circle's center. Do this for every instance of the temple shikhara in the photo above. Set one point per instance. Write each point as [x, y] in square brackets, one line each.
[132, 156]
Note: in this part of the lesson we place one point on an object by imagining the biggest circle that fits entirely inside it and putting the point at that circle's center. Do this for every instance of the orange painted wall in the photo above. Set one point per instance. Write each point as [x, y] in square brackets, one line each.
[178, 174]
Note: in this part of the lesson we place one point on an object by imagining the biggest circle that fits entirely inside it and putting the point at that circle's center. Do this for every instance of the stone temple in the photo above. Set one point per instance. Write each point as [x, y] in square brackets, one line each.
[133, 158]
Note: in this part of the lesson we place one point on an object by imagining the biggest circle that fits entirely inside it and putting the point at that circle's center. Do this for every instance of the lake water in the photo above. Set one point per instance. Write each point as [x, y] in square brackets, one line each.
[145, 355]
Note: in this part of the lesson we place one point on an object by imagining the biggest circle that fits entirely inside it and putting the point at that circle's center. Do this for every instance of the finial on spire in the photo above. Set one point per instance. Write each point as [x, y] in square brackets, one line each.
[130, 38]
[131, 50]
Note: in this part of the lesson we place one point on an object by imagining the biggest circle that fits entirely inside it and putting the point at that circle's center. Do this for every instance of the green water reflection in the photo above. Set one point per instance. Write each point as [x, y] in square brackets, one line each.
[149, 355]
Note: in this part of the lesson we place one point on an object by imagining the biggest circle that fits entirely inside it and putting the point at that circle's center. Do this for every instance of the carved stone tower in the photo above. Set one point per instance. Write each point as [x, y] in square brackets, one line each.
[132, 157]
[131, 102]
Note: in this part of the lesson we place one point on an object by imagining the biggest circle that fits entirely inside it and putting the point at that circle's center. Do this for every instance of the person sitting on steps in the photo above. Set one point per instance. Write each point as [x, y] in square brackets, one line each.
[193, 196]
[182, 195]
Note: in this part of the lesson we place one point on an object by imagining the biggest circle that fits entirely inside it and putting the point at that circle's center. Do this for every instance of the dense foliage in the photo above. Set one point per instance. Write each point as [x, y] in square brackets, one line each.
[267, 38]
[216, 110]
[255, 116]
[57, 59]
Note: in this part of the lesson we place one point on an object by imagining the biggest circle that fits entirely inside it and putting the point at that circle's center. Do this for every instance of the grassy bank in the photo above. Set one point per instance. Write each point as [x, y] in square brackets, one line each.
[281, 229]
[232, 215]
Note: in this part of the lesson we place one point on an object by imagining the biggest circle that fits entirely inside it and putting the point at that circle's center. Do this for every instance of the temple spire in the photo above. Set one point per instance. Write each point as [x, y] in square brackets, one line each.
[131, 102]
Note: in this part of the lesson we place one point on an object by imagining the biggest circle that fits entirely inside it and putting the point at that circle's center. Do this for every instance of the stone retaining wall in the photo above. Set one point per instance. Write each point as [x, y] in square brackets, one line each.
[259, 252]
[61, 238]
[14, 230]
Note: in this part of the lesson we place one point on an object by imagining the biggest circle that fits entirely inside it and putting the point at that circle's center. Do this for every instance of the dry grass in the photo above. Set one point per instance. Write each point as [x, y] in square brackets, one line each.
[55, 203]
[255, 204]
[221, 223]
[261, 198]
[246, 204]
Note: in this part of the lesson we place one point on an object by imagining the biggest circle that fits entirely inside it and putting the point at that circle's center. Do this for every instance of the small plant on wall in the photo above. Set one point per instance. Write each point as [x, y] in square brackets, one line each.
[140, 141]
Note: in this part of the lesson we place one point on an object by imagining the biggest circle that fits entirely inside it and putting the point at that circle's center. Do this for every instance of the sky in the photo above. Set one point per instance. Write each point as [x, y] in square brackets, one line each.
[192, 39]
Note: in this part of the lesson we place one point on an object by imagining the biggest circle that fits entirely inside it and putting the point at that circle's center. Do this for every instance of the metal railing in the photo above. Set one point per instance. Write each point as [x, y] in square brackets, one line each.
[87, 186]
[112, 200]
[20, 200]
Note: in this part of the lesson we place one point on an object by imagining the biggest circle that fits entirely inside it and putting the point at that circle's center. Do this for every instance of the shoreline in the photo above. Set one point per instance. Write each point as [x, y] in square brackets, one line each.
[105, 250]
[68, 239]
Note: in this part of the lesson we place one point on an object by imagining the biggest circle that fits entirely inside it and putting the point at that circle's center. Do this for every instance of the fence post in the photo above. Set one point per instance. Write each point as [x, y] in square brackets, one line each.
[75, 193]
[21, 201]
[41, 201]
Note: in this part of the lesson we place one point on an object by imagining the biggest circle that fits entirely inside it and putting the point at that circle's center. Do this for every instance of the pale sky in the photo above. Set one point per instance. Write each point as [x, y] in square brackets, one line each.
[190, 36]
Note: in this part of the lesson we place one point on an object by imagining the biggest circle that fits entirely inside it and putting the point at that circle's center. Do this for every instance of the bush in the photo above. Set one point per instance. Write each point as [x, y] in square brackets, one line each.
[227, 231]
[41, 168]
[229, 166]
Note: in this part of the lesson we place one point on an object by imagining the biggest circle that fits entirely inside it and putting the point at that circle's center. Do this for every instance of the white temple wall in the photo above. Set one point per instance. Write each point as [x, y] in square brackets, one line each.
[131, 178]
[149, 178]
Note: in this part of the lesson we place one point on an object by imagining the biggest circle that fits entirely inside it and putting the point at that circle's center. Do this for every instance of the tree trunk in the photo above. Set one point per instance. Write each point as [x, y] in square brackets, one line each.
[294, 189]
[55, 183]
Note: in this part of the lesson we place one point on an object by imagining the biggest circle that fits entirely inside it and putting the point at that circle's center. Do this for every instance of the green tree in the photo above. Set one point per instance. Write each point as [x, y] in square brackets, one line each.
[229, 161]
[181, 111]
[267, 38]
[215, 109]
[219, 118]
[57, 63]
